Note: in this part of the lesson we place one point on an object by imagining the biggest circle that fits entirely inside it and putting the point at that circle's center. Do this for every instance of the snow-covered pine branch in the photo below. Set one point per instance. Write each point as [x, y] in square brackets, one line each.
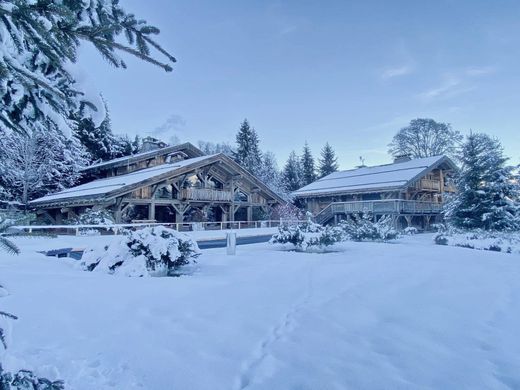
[39, 41]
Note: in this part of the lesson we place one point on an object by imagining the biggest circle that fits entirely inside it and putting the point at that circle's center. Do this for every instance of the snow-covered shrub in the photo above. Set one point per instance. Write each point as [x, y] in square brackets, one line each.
[438, 227]
[410, 230]
[307, 236]
[152, 251]
[480, 239]
[361, 227]
[93, 217]
[26, 380]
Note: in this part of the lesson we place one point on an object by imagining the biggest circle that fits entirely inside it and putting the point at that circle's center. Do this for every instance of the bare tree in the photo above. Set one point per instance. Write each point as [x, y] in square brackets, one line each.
[424, 138]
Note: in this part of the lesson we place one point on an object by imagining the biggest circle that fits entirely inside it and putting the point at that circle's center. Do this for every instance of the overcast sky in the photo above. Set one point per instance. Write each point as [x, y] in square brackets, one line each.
[348, 72]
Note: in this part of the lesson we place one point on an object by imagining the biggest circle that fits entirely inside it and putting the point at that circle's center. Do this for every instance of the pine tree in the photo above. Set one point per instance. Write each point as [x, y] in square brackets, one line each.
[309, 173]
[270, 175]
[292, 174]
[137, 145]
[248, 153]
[99, 141]
[40, 41]
[488, 194]
[328, 163]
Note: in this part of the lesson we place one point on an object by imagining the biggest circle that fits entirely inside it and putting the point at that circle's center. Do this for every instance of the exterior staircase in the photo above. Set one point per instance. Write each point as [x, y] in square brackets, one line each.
[324, 215]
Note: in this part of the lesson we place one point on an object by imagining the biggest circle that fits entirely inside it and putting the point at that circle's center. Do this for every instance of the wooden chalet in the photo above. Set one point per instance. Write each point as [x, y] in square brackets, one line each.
[172, 184]
[412, 191]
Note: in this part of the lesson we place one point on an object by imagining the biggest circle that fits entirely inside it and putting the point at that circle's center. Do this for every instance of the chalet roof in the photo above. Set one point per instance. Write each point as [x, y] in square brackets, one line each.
[374, 179]
[109, 188]
[187, 148]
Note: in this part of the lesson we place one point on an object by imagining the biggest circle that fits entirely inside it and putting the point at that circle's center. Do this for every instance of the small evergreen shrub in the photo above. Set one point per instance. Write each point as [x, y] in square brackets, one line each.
[93, 217]
[507, 242]
[26, 380]
[361, 227]
[152, 251]
[410, 231]
[307, 236]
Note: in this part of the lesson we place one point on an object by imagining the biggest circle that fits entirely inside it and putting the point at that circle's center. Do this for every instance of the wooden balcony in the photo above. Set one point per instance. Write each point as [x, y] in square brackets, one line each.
[391, 206]
[206, 194]
[428, 185]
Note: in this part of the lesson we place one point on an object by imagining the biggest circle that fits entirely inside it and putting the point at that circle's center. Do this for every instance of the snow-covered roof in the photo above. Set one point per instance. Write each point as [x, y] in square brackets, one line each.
[377, 178]
[186, 147]
[105, 186]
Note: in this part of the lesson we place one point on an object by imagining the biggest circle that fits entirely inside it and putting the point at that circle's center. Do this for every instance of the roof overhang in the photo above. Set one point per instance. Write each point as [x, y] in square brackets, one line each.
[87, 200]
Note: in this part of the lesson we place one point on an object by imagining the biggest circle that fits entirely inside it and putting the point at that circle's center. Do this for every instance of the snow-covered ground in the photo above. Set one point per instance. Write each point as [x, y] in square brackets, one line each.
[396, 316]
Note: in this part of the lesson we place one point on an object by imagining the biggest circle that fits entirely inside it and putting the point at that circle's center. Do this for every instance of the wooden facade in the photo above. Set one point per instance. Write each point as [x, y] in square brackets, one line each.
[413, 193]
[170, 185]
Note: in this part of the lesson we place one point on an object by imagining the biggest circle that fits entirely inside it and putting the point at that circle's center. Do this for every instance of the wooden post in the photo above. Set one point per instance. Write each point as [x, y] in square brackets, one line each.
[151, 211]
[249, 213]
[232, 206]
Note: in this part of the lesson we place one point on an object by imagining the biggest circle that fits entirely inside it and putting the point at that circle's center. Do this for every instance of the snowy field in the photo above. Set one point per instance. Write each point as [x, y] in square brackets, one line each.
[405, 315]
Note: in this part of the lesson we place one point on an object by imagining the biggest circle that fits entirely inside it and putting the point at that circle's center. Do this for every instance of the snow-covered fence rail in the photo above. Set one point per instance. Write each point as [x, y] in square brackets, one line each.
[181, 226]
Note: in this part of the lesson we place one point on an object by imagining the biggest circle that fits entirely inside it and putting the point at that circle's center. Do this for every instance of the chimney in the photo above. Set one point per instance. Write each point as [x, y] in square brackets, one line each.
[402, 158]
[151, 143]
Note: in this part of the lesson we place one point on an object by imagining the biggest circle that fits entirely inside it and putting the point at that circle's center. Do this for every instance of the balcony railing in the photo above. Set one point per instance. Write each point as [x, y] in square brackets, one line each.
[391, 206]
[206, 194]
[428, 184]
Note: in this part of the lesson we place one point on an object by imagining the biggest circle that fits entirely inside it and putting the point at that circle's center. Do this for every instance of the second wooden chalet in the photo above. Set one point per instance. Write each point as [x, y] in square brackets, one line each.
[412, 191]
[172, 185]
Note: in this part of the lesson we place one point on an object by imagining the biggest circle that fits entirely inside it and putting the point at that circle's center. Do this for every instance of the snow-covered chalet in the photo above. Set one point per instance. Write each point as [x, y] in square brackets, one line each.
[412, 191]
[172, 184]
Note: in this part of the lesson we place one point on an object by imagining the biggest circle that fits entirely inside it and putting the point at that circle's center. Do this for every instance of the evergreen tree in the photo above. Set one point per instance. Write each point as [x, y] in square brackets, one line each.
[40, 41]
[270, 175]
[99, 141]
[292, 174]
[328, 163]
[425, 138]
[137, 145]
[248, 153]
[309, 173]
[488, 195]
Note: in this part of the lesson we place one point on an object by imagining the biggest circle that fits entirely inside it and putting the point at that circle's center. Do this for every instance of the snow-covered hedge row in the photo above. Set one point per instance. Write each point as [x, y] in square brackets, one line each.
[483, 240]
[307, 236]
[363, 228]
[152, 251]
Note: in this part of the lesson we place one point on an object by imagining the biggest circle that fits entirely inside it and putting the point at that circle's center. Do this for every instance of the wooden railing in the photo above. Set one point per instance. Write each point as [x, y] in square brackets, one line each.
[390, 206]
[428, 184]
[206, 194]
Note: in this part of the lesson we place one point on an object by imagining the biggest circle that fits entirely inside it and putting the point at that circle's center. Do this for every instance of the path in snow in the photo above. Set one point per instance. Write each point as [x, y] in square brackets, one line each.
[262, 362]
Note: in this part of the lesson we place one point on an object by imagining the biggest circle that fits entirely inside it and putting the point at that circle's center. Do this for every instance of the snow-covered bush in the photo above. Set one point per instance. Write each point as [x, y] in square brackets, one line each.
[480, 239]
[93, 217]
[26, 380]
[307, 236]
[410, 230]
[361, 227]
[152, 251]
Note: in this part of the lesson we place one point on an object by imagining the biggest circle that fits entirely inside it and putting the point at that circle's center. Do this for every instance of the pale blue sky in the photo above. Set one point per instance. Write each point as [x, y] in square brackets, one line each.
[348, 72]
